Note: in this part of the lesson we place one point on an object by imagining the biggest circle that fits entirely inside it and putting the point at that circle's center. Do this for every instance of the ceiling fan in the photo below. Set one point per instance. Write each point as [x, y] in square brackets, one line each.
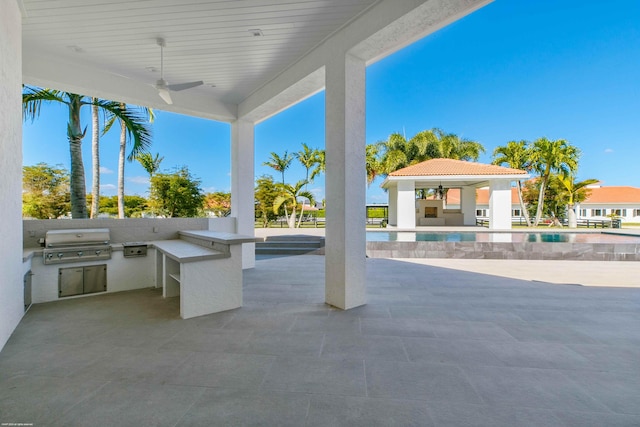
[162, 86]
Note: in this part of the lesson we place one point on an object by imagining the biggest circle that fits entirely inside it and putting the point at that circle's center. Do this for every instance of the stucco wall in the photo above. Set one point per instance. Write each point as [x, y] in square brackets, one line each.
[127, 230]
[11, 285]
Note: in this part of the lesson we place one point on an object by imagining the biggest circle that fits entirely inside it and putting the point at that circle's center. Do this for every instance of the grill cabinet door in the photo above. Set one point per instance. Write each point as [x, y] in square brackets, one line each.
[95, 278]
[70, 281]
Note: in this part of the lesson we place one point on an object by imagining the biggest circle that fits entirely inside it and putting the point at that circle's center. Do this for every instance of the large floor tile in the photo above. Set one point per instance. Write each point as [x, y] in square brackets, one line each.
[532, 388]
[314, 375]
[465, 415]
[40, 399]
[220, 370]
[118, 404]
[331, 411]
[229, 407]
[619, 391]
[463, 352]
[422, 381]
[366, 347]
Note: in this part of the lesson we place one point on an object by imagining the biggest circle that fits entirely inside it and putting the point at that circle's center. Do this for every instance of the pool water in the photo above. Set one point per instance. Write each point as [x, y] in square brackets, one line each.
[418, 236]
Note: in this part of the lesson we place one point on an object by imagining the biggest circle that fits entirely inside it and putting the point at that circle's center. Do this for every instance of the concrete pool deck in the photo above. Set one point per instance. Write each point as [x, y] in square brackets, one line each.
[585, 273]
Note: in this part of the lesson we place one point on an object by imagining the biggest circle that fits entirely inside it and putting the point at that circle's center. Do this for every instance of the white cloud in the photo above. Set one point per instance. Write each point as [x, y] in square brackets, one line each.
[107, 187]
[105, 170]
[378, 197]
[139, 179]
[608, 150]
[209, 189]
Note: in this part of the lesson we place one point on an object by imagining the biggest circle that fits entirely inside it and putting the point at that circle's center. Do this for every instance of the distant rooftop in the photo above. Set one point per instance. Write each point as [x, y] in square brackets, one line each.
[441, 167]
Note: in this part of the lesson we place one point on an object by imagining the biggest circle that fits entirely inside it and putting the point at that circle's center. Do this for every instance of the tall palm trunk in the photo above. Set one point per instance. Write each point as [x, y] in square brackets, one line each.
[95, 157]
[543, 187]
[77, 184]
[123, 144]
[523, 208]
[292, 218]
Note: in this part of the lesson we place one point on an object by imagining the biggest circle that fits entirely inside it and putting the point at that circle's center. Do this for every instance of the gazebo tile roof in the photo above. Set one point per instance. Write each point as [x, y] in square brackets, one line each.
[442, 167]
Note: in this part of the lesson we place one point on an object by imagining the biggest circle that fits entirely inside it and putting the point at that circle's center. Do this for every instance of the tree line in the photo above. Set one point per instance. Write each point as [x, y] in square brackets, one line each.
[51, 191]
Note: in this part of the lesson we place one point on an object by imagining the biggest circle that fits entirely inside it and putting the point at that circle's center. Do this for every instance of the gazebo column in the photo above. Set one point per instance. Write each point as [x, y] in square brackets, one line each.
[345, 182]
[393, 206]
[406, 204]
[242, 186]
[468, 205]
[500, 205]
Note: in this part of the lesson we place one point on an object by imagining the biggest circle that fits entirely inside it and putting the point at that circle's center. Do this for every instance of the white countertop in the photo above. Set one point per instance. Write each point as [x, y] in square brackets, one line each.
[221, 236]
[182, 251]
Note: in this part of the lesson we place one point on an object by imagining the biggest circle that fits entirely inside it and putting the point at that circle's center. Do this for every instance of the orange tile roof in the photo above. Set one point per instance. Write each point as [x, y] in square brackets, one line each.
[601, 195]
[440, 167]
[613, 195]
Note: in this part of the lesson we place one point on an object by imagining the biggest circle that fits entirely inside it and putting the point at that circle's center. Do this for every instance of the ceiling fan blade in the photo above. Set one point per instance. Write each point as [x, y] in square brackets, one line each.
[164, 94]
[183, 86]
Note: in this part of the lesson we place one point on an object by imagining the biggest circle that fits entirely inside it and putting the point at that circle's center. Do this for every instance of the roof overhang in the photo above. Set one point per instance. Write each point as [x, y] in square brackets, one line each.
[451, 181]
[105, 49]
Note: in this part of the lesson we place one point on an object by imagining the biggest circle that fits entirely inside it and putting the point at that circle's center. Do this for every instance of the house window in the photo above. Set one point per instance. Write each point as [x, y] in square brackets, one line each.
[583, 212]
[636, 212]
[597, 212]
[516, 212]
[481, 212]
[619, 212]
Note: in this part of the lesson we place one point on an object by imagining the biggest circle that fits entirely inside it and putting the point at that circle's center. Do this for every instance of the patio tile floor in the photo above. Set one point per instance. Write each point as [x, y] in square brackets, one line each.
[433, 347]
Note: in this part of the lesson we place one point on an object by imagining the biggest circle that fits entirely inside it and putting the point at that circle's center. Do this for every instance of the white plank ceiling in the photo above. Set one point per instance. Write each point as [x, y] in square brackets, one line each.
[209, 40]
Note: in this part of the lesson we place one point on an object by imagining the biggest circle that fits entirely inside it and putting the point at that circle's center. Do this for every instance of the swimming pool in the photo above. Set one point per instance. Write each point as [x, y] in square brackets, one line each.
[566, 237]
[504, 245]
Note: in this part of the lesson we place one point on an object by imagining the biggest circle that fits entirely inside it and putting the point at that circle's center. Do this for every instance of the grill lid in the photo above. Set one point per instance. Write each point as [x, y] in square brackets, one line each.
[77, 237]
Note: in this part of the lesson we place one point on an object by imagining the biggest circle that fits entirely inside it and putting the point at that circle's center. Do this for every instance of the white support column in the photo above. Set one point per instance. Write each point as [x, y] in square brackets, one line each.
[11, 285]
[500, 205]
[243, 185]
[468, 205]
[393, 205]
[406, 204]
[345, 181]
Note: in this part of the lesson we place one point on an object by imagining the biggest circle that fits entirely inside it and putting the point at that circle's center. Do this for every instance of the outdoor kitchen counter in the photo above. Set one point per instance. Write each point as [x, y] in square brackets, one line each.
[183, 251]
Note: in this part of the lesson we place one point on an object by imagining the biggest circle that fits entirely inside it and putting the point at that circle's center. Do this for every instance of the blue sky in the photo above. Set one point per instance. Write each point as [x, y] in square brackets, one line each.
[512, 70]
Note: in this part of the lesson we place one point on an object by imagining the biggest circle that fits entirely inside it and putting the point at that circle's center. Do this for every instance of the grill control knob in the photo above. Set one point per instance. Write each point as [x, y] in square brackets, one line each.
[98, 252]
[79, 253]
[60, 254]
[49, 256]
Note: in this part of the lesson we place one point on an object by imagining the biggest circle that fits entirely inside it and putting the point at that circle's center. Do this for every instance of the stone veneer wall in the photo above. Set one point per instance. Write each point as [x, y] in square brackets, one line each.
[526, 250]
[128, 229]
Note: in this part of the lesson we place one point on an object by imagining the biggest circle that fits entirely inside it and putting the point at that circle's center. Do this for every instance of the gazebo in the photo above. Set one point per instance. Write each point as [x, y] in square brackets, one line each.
[407, 212]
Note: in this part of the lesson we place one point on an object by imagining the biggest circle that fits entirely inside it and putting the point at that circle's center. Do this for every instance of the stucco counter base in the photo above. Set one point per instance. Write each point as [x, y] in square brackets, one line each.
[206, 280]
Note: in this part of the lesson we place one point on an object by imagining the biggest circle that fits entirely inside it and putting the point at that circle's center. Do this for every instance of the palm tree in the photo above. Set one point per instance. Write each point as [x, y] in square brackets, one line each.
[549, 157]
[149, 162]
[515, 155]
[451, 146]
[321, 164]
[289, 195]
[372, 162]
[307, 157]
[95, 156]
[32, 100]
[576, 193]
[280, 164]
[135, 150]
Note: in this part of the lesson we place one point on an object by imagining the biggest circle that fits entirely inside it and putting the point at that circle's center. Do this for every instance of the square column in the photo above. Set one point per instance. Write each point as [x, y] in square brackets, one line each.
[500, 205]
[393, 206]
[406, 204]
[345, 182]
[243, 186]
[11, 285]
[468, 205]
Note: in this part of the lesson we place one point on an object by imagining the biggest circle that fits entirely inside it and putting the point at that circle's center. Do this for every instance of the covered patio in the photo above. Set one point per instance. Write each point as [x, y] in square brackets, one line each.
[407, 212]
[244, 62]
[434, 346]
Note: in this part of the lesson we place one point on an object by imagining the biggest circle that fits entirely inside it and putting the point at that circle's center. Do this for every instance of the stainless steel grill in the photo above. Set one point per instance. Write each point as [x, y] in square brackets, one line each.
[64, 246]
